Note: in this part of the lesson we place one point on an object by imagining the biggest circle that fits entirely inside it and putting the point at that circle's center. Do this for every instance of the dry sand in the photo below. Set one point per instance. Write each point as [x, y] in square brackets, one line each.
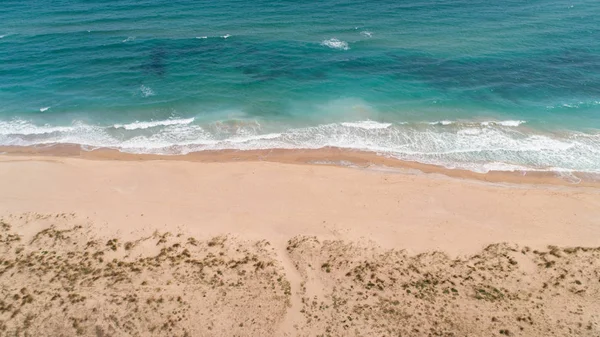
[179, 248]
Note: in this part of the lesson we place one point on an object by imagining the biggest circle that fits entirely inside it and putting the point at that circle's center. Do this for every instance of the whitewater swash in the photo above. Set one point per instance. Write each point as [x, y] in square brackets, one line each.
[480, 146]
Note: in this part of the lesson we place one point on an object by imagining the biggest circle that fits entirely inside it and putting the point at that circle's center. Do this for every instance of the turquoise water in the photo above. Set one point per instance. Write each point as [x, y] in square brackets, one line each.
[482, 85]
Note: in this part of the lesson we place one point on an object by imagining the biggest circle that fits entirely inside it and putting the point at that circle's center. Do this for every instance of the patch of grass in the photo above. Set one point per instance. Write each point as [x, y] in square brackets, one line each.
[490, 294]
[112, 244]
[4, 226]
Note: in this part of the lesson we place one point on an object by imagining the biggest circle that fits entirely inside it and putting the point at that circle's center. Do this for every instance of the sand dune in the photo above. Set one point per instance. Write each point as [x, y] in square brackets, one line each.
[60, 277]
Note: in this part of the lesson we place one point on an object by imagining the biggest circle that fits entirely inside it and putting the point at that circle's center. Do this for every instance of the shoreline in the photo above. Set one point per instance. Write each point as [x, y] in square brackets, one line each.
[262, 198]
[329, 156]
[228, 244]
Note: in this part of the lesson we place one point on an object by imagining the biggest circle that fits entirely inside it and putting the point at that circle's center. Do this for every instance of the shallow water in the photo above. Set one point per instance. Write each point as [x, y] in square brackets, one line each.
[472, 84]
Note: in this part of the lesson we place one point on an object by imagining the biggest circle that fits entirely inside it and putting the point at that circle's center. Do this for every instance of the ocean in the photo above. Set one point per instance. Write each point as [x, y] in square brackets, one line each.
[478, 84]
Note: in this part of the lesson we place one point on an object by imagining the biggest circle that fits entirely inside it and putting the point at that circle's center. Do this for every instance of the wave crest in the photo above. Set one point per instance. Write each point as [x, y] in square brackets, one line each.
[20, 127]
[335, 44]
[151, 124]
[508, 123]
[369, 125]
[503, 123]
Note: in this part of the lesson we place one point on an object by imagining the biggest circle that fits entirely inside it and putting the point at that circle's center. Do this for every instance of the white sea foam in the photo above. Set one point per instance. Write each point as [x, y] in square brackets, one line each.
[512, 123]
[466, 145]
[202, 37]
[44, 109]
[226, 36]
[469, 131]
[575, 105]
[2, 36]
[503, 123]
[253, 138]
[335, 44]
[129, 38]
[21, 127]
[369, 125]
[366, 33]
[441, 123]
[151, 124]
[146, 91]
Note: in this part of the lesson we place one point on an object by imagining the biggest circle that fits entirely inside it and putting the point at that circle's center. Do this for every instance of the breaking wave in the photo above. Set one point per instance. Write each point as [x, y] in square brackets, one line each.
[367, 125]
[477, 146]
[512, 123]
[335, 44]
[145, 125]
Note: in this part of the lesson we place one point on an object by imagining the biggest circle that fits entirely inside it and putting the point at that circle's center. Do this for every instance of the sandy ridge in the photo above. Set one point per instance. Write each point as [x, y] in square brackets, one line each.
[60, 277]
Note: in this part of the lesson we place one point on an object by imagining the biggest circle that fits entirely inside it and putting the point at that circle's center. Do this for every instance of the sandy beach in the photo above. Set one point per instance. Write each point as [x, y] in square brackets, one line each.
[99, 244]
